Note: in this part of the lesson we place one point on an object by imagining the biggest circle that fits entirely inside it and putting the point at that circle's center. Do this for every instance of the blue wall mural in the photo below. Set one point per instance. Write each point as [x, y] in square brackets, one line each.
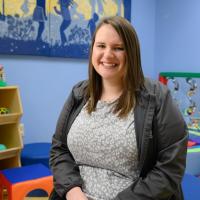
[59, 28]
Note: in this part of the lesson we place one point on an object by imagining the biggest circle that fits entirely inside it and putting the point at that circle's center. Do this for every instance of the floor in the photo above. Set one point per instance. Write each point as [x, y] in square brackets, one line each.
[33, 198]
[36, 198]
[27, 198]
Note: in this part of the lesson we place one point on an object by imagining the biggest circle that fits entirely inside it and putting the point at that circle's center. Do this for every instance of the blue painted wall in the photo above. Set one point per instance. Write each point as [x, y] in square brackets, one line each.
[177, 35]
[143, 19]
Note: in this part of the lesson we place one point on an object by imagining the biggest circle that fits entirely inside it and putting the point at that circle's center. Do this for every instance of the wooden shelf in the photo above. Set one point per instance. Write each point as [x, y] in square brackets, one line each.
[11, 137]
[10, 134]
[10, 98]
[10, 118]
[10, 162]
[9, 153]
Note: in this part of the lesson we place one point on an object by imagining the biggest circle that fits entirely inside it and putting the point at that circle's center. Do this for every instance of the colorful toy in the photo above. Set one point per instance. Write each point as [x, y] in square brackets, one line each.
[190, 110]
[22, 180]
[193, 86]
[191, 143]
[2, 147]
[4, 110]
[194, 126]
[2, 77]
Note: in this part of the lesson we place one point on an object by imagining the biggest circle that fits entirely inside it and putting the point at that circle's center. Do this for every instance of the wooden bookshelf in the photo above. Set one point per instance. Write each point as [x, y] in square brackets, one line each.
[10, 135]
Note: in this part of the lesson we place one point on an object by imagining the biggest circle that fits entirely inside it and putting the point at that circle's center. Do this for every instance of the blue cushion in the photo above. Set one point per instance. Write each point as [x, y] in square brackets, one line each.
[29, 172]
[35, 153]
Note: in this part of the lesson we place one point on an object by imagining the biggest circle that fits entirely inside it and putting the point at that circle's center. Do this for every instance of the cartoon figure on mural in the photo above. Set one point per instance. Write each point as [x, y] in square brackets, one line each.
[92, 23]
[65, 13]
[39, 15]
[97, 4]
[2, 15]
[24, 7]
[75, 14]
[119, 6]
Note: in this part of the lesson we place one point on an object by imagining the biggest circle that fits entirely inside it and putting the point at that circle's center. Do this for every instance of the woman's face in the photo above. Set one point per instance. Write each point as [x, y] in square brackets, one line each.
[109, 56]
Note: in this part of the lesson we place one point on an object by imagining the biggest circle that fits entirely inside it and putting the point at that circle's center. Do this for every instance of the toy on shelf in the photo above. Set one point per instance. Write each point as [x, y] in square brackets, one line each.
[2, 147]
[2, 77]
[4, 110]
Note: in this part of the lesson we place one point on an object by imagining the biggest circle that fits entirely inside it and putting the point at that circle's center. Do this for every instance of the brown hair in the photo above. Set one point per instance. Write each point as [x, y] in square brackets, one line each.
[133, 79]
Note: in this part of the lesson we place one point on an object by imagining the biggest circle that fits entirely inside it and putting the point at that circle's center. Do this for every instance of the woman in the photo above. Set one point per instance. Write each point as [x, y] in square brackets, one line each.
[119, 136]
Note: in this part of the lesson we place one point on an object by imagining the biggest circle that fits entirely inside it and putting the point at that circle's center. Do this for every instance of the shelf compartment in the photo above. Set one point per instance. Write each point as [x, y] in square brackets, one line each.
[10, 162]
[10, 98]
[10, 136]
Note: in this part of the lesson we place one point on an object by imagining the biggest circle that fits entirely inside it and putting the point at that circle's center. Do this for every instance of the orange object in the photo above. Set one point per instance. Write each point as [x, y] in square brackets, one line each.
[191, 143]
[163, 79]
[18, 188]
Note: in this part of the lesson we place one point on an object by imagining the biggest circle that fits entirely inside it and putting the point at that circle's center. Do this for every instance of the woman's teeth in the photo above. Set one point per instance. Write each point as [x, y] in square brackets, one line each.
[109, 65]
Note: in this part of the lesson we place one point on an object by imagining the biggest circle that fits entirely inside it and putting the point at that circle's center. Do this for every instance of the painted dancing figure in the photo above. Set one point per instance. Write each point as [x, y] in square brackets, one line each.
[39, 15]
[65, 13]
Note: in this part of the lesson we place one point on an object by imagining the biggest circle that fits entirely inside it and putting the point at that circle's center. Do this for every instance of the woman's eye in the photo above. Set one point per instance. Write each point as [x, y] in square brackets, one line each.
[101, 46]
[119, 48]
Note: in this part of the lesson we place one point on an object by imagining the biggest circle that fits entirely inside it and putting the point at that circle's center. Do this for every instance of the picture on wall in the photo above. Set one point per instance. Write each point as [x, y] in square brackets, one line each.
[57, 28]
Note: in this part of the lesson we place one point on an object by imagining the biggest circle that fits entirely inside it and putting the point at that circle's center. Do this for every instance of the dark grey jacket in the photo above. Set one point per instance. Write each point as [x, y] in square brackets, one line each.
[161, 139]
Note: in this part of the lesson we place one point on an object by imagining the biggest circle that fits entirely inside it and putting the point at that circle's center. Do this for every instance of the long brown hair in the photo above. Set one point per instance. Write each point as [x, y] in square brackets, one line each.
[133, 79]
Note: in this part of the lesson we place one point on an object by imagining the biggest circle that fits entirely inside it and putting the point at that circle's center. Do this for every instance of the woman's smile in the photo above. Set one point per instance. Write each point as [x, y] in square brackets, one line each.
[109, 65]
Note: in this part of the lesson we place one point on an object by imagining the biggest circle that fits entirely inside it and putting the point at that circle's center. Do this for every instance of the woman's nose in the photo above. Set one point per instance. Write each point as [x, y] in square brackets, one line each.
[108, 52]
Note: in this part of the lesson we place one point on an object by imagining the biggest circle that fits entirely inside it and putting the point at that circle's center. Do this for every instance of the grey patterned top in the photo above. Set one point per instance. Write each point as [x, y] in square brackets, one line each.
[104, 147]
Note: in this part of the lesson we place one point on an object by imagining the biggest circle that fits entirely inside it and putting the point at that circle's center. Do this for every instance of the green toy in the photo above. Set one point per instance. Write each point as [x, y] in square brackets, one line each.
[2, 77]
[3, 83]
[2, 147]
[4, 110]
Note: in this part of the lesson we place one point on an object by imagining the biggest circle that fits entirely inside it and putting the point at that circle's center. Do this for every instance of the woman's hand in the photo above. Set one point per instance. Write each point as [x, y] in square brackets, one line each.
[76, 194]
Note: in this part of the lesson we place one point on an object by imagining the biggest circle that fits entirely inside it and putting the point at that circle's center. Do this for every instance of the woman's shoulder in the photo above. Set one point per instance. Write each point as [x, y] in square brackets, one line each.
[155, 87]
[79, 88]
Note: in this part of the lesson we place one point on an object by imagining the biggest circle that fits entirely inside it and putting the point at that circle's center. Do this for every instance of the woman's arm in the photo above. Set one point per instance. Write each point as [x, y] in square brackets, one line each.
[65, 171]
[163, 180]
